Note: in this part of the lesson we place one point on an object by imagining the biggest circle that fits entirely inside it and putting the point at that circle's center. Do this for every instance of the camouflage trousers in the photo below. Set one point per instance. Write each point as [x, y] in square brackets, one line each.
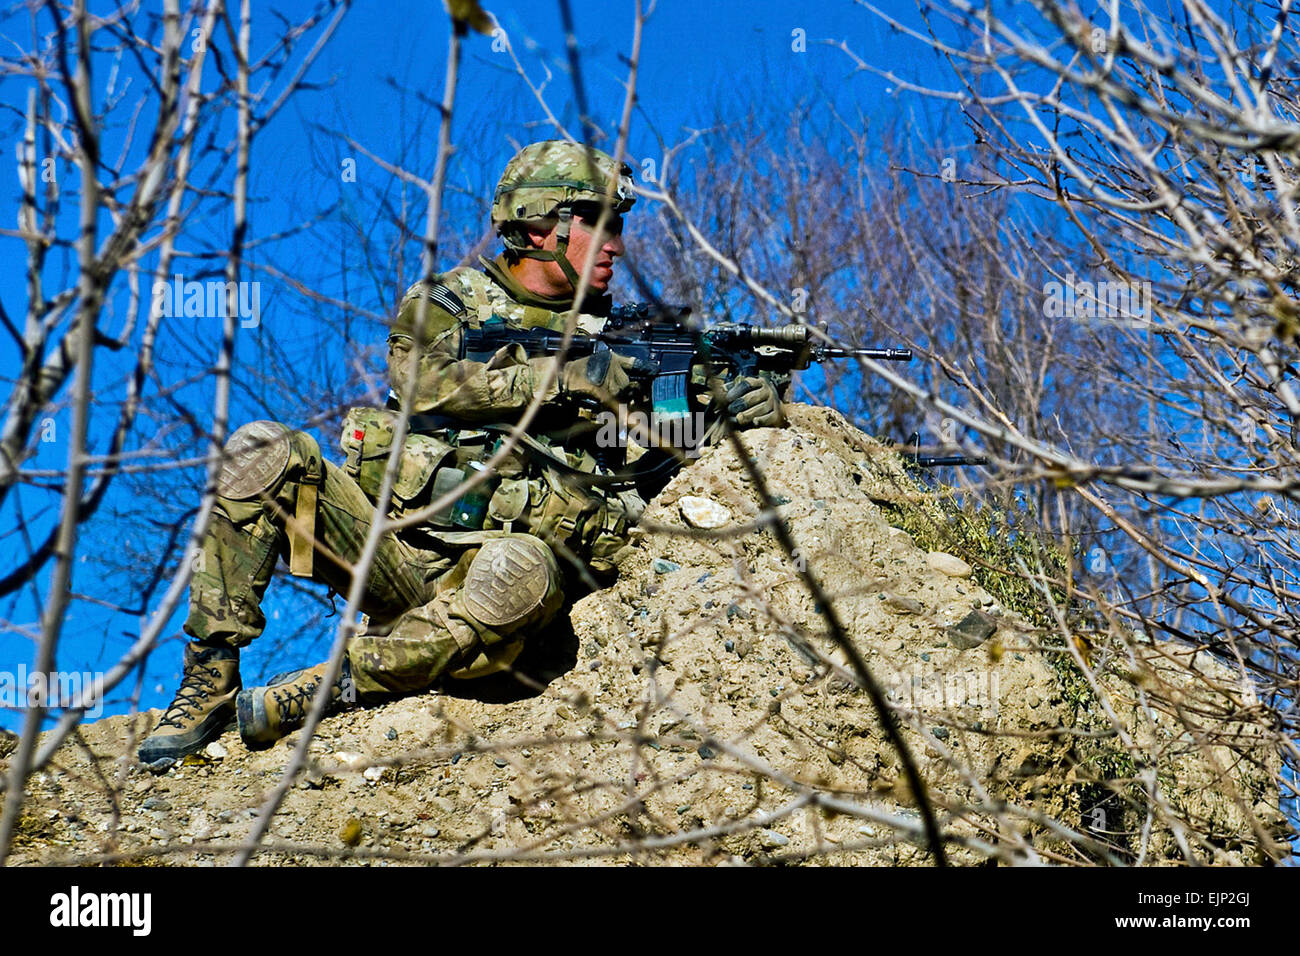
[463, 608]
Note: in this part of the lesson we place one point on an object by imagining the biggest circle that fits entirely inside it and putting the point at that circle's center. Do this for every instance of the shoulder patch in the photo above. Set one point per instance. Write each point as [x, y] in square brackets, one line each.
[447, 300]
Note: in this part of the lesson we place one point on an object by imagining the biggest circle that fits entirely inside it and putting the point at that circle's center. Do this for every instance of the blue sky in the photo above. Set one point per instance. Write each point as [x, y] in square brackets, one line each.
[698, 60]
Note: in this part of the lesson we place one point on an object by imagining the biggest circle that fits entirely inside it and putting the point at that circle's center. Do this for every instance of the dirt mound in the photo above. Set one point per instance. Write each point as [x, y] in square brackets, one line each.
[698, 712]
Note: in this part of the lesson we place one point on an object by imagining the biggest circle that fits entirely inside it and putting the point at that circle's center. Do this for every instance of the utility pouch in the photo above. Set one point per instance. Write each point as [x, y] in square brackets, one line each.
[367, 440]
[508, 503]
[558, 511]
[470, 509]
[610, 538]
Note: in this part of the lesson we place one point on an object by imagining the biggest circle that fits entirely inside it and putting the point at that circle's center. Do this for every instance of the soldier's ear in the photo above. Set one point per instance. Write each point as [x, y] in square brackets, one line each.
[536, 233]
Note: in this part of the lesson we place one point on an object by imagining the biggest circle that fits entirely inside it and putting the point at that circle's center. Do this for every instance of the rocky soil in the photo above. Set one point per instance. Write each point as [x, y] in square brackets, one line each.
[699, 712]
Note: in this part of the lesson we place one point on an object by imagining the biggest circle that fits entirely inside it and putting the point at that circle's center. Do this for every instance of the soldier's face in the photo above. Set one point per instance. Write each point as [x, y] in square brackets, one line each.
[583, 242]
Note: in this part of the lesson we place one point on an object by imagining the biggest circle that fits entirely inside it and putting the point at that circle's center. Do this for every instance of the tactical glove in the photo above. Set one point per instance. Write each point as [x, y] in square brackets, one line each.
[754, 403]
[603, 375]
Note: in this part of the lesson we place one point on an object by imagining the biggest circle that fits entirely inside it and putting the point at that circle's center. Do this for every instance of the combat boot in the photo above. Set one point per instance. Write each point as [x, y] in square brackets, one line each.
[266, 714]
[202, 707]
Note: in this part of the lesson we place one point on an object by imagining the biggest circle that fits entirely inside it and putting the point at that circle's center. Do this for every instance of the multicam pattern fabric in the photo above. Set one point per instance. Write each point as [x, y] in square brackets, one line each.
[446, 635]
[437, 601]
[464, 389]
[420, 622]
[244, 538]
[547, 174]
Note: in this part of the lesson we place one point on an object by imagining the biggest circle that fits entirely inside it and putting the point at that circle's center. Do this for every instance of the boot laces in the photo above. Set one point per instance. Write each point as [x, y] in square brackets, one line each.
[194, 690]
[293, 701]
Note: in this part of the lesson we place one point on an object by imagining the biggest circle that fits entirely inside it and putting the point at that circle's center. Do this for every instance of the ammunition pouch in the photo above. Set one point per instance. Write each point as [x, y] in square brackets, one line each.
[590, 522]
[555, 504]
[429, 468]
[609, 539]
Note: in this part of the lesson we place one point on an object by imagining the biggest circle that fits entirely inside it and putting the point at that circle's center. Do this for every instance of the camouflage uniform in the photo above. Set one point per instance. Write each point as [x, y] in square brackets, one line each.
[458, 592]
[419, 625]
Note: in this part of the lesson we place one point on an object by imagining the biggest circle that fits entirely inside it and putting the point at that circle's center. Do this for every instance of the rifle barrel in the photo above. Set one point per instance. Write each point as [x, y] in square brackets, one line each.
[913, 454]
[880, 355]
[943, 461]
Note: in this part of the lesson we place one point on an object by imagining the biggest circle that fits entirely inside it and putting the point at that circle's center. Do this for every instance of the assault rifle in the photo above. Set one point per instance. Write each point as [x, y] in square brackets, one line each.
[668, 347]
[914, 456]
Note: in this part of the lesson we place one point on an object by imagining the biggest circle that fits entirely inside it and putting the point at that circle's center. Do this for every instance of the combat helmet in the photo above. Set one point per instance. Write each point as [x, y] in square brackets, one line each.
[544, 180]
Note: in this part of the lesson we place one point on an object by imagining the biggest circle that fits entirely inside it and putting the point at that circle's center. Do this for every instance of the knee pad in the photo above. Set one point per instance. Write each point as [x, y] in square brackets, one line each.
[260, 456]
[513, 581]
[257, 456]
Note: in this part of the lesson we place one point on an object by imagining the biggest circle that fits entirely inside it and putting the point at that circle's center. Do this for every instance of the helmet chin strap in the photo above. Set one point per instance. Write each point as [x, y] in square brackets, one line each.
[560, 254]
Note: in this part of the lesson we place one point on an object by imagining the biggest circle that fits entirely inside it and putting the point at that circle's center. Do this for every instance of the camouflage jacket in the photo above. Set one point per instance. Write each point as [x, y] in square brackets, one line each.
[455, 403]
[463, 389]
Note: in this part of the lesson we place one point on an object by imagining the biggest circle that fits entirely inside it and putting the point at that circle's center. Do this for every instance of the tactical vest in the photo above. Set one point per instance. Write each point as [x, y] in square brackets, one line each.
[560, 494]
[557, 495]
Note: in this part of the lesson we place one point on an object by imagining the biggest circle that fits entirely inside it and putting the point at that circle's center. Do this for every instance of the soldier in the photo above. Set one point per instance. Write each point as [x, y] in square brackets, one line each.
[458, 592]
